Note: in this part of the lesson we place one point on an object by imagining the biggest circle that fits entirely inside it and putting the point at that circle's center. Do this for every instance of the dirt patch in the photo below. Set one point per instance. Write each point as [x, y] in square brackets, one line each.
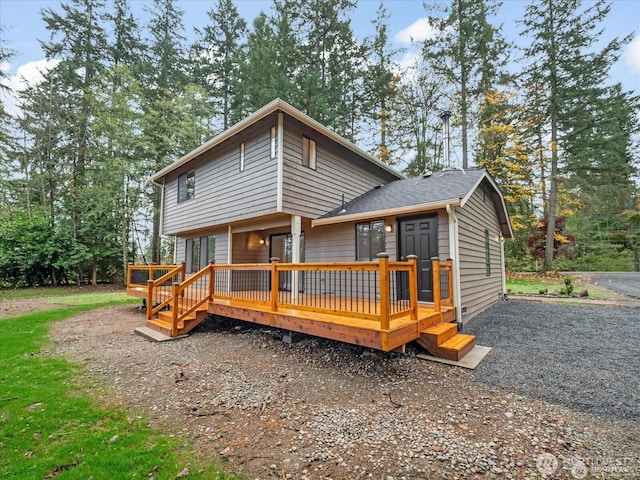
[319, 409]
[11, 308]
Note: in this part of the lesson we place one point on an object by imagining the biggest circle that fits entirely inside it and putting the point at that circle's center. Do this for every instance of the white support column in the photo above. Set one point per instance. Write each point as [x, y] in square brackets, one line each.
[502, 267]
[455, 256]
[296, 232]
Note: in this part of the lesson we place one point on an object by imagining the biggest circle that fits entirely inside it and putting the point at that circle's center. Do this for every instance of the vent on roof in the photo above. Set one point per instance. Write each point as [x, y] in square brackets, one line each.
[426, 173]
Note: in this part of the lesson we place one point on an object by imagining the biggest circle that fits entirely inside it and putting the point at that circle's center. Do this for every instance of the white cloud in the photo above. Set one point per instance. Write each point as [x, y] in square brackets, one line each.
[31, 73]
[632, 55]
[409, 60]
[418, 31]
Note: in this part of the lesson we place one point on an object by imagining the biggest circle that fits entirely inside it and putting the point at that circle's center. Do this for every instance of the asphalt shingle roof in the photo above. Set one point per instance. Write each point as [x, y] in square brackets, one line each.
[440, 186]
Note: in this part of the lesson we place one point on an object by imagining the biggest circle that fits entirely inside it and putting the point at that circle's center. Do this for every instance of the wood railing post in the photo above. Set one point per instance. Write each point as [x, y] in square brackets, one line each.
[413, 286]
[149, 298]
[275, 283]
[212, 279]
[435, 269]
[383, 268]
[174, 310]
[450, 273]
[183, 271]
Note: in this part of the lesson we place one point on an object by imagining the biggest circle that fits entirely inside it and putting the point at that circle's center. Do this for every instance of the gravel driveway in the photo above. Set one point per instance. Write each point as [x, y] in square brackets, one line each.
[584, 357]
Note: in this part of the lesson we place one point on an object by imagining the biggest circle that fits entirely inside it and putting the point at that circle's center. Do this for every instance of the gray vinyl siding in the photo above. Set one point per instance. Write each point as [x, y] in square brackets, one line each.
[223, 194]
[478, 291]
[312, 193]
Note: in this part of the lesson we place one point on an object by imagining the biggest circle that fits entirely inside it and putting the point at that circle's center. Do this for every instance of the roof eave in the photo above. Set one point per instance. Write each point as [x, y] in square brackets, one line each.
[388, 212]
[276, 105]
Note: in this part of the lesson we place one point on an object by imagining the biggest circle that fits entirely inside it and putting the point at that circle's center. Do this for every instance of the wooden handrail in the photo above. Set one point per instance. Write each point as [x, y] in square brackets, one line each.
[384, 305]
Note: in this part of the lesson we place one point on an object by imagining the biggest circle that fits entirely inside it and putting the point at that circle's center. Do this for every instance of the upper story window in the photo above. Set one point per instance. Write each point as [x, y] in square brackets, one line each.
[186, 186]
[274, 134]
[242, 157]
[309, 152]
[370, 240]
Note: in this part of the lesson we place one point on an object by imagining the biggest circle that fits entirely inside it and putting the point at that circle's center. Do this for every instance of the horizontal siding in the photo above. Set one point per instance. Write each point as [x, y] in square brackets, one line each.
[223, 194]
[312, 193]
[331, 243]
[478, 291]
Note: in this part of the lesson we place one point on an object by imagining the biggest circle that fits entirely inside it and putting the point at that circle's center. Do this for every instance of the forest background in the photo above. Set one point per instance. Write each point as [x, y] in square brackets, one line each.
[122, 98]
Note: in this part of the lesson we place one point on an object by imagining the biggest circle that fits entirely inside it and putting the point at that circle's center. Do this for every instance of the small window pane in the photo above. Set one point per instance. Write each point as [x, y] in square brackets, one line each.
[186, 186]
[362, 241]
[487, 252]
[242, 157]
[312, 154]
[377, 242]
[211, 248]
[273, 142]
[195, 255]
[309, 152]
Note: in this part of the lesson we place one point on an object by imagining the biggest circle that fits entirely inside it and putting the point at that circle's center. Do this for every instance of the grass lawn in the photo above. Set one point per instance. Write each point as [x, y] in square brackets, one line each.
[53, 425]
[534, 284]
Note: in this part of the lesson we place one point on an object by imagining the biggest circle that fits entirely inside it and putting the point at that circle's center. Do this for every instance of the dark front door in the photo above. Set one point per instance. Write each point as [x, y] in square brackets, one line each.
[419, 236]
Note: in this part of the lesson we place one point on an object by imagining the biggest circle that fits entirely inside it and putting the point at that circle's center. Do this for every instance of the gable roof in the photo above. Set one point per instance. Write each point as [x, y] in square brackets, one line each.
[274, 106]
[419, 194]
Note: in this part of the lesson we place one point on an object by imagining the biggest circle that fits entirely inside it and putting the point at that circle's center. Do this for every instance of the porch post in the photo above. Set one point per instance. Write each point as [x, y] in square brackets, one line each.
[383, 266]
[296, 231]
[212, 279]
[413, 286]
[435, 269]
[275, 283]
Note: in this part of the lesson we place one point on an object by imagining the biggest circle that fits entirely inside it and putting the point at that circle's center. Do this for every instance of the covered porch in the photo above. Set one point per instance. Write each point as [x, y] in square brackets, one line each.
[373, 304]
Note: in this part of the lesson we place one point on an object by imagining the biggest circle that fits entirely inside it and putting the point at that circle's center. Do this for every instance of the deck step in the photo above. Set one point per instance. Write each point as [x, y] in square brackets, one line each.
[444, 341]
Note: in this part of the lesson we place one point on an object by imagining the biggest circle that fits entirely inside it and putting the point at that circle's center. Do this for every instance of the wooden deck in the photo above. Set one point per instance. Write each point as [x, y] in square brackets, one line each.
[382, 314]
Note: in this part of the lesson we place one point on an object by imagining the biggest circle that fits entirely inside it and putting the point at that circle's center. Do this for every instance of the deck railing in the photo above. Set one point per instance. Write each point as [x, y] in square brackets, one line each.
[139, 275]
[379, 291]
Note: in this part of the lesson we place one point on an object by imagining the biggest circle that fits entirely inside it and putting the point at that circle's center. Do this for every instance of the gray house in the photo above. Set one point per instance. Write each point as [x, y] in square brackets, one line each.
[279, 184]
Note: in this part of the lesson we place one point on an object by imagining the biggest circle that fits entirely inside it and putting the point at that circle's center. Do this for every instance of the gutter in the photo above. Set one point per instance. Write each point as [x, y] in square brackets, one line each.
[385, 213]
[454, 251]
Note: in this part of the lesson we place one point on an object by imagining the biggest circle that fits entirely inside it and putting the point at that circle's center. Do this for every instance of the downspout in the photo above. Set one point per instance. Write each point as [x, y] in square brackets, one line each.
[454, 252]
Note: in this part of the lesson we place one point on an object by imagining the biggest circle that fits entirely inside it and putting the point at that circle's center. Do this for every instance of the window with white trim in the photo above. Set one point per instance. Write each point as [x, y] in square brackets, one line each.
[242, 157]
[309, 152]
[487, 252]
[274, 135]
[187, 186]
[199, 252]
[370, 240]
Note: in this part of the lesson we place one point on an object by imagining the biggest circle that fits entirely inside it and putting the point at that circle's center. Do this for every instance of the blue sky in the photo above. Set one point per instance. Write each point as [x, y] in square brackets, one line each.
[24, 27]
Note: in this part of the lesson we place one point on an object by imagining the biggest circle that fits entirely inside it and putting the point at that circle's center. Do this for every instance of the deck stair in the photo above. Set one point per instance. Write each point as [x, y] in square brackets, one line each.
[162, 323]
[444, 341]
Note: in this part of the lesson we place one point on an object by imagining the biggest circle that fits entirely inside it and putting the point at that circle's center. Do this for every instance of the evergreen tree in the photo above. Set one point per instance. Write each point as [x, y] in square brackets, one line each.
[467, 54]
[562, 58]
[380, 84]
[164, 77]
[217, 55]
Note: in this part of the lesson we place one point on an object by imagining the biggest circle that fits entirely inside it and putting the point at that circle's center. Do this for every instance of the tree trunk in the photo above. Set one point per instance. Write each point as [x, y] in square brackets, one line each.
[155, 236]
[553, 195]
[94, 273]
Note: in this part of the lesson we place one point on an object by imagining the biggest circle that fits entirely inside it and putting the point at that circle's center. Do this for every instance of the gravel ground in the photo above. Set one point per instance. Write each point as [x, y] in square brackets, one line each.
[319, 409]
[584, 357]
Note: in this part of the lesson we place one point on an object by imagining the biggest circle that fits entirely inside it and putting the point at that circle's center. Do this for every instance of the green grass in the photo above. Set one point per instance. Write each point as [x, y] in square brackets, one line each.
[110, 298]
[49, 292]
[534, 284]
[53, 425]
